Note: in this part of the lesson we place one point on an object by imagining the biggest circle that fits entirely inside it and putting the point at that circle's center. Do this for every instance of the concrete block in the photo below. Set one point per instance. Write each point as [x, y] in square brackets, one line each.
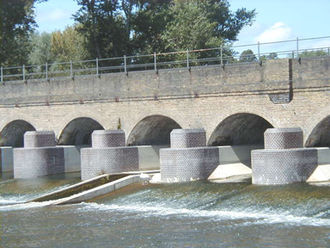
[38, 161]
[39, 139]
[108, 138]
[283, 166]
[283, 138]
[6, 159]
[186, 164]
[184, 138]
[97, 161]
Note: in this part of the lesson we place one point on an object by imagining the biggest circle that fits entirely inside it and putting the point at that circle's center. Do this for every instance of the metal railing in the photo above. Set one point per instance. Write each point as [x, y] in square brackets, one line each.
[222, 55]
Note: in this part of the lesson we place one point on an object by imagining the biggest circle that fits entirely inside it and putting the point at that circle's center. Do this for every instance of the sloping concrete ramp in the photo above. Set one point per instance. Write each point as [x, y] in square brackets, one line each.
[94, 187]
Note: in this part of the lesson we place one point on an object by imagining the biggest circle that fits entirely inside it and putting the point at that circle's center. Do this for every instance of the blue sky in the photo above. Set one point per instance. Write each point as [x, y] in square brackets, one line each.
[275, 20]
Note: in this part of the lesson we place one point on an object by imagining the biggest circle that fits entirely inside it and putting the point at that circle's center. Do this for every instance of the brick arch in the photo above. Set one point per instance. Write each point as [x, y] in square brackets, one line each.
[320, 134]
[13, 133]
[78, 131]
[240, 129]
[152, 130]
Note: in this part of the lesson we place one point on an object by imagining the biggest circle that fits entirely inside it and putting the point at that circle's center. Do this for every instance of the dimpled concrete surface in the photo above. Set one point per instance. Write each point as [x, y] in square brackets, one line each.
[184, 138]
[39, 139]
[283, 161]
[108, 155]
[283, 138]
[108, 138]
[188, 158]
[33, 161]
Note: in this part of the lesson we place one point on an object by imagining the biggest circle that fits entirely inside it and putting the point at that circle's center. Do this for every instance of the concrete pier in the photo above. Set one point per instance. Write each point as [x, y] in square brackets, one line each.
[39, 157]
[184, 161]
[108, 155]
[284, 160]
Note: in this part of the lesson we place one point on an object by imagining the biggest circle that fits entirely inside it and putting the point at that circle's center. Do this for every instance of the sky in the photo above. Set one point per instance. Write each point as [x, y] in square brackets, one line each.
[275, 20]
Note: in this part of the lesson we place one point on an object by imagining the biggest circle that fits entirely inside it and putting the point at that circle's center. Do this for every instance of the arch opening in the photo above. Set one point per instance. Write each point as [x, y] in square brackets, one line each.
[152, 130]
[78, 132]
[240, 129]
[13, 133]
[320, 135]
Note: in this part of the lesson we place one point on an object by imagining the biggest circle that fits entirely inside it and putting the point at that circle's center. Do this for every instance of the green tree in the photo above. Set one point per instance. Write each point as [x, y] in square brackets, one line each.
[16, 25]
[68, 45]
[202, 24]
[247, 56]
[103, 26]
[40, 49]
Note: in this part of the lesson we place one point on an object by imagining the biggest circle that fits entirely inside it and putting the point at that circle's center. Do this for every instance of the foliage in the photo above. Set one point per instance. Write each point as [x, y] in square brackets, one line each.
[16, 24]
[41, 49]
[247, 56]
[317, 53]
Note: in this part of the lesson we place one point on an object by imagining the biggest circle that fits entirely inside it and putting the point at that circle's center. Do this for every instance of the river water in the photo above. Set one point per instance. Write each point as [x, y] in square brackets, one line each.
[196, 214]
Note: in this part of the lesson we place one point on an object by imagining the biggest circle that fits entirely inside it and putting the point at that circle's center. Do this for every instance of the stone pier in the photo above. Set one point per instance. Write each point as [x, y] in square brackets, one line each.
[284, 160]
[188, 158]
[108, 154]
[39, 157]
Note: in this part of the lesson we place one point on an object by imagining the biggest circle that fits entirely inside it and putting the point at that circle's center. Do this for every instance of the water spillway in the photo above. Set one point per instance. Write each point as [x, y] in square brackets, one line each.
[194, 214]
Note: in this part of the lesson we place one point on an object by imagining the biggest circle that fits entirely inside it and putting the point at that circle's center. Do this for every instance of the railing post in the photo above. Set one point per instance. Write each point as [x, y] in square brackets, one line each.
[23, 72]
[221, 55]
[97, 66]
[125, 64]
[188, 66]
[1, 74]
[71, 69]
[328, 50]
[155, 62]
[297, 48]
[46, 69]
[259, 51]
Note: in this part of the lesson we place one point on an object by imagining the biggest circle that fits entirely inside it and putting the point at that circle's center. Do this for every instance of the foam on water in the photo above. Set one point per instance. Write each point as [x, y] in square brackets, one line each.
[24, 206]
[262, 217]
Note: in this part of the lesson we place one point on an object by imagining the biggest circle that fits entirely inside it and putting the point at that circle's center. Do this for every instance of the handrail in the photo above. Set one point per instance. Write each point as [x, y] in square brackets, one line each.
[157, 61]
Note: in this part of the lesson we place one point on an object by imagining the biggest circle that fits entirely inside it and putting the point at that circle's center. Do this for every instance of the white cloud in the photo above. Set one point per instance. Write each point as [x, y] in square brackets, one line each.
[279, 31]
[53, 15]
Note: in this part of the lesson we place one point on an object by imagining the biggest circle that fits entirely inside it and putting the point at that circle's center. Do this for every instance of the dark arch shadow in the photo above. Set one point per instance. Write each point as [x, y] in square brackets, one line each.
[152, 130]
[320, 135]
[244, 132]
[240, 129]
[13, 133]
[78, 131]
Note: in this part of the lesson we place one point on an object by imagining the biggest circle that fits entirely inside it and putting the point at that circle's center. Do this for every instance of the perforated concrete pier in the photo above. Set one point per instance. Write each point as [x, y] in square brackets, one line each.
[188, 158]
[108, 155]
[284, 160]
[39, 157]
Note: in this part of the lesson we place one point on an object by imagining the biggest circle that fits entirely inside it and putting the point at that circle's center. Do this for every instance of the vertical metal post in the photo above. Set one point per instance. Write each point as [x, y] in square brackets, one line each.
[1, 74]
[297, 48]
[155, 62]
[125, 64]
[71, 69]
[23, 72]
[328, 50]
[293, 54]
[46, 69]
[188, 66]
[97, 66]
[221, 55]
[259, 51]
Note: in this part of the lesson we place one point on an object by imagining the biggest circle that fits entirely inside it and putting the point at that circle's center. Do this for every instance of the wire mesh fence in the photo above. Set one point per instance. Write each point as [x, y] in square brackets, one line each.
[229, 54]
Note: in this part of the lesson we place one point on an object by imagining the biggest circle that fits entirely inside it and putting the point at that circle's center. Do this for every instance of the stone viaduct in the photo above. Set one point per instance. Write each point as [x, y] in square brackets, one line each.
[234, 103]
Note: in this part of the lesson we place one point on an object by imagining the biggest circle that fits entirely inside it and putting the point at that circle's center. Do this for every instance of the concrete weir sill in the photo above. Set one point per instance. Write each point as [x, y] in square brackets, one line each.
[93, 188]
[99, 191]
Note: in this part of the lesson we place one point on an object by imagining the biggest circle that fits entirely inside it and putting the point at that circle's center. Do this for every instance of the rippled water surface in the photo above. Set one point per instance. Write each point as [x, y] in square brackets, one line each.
[197, 214]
